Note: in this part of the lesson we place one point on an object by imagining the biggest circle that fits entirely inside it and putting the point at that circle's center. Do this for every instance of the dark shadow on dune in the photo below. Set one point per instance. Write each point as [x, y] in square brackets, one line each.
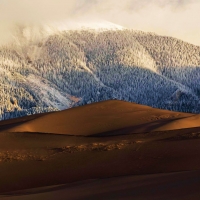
[183, 136]
[125, 187]
[142, 128]
[39, 190]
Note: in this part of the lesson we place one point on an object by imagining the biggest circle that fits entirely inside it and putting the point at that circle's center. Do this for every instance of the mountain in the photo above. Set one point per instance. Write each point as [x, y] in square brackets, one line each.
[42, 72]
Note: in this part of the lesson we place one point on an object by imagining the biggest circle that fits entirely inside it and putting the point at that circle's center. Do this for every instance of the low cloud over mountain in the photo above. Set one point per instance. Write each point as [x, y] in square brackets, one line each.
[177, 18]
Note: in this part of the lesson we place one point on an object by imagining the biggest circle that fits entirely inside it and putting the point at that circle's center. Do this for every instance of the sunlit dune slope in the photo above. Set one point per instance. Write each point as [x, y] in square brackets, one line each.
[103, 119]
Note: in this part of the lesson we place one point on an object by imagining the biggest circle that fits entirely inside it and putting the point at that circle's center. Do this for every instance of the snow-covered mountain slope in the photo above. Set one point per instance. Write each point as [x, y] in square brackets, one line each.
[67, 68]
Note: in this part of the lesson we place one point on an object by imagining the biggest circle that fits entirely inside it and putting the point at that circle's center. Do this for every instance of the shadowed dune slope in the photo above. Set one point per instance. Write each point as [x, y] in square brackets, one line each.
[104, 118]
[182, 185]
[56, 165]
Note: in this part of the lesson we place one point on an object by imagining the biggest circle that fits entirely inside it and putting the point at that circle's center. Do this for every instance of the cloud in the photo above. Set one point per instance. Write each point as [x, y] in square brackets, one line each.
[178, 18]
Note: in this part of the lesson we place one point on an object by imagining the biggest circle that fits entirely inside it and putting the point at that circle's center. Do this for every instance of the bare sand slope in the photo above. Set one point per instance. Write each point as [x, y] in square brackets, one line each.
[110, 164]
[38, 160]
[105, 118]
[173, 186]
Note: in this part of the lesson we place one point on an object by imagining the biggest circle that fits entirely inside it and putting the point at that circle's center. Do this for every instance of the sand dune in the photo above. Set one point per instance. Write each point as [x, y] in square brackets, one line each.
[112, 163]
[182, 185]
[109, 117]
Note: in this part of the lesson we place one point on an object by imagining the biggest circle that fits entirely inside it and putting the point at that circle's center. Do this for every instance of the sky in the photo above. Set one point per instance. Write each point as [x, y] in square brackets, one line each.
[177, 18]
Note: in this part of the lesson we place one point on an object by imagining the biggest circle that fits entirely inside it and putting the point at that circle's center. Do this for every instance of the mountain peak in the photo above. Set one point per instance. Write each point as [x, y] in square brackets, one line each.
[81, 25]
[37, 32]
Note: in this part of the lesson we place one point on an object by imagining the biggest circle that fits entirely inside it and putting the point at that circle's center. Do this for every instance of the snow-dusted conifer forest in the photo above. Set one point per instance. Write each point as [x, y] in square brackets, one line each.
[73, 68]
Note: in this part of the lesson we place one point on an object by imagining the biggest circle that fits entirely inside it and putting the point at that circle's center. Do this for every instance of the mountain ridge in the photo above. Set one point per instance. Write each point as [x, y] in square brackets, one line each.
[74, 68]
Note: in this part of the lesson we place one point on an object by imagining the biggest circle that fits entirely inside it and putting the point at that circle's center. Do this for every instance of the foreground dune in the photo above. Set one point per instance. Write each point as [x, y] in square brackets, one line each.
[117, 145]
[182, 185]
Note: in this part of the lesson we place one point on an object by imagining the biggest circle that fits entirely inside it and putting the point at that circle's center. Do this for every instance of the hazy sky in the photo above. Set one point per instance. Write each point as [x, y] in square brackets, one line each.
[178, 18]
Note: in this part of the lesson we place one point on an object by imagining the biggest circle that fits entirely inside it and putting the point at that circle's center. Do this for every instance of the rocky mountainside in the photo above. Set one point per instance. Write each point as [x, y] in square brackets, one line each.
[45, 72]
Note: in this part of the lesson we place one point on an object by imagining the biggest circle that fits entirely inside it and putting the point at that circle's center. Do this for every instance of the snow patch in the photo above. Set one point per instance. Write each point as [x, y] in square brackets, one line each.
[50, 95]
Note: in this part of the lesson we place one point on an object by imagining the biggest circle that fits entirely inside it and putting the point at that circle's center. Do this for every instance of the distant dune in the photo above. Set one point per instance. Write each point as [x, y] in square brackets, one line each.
[117, 145]
[106, 118]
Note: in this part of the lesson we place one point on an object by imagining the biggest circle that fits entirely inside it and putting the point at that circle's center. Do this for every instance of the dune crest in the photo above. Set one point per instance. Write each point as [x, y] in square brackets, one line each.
[106, 118]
